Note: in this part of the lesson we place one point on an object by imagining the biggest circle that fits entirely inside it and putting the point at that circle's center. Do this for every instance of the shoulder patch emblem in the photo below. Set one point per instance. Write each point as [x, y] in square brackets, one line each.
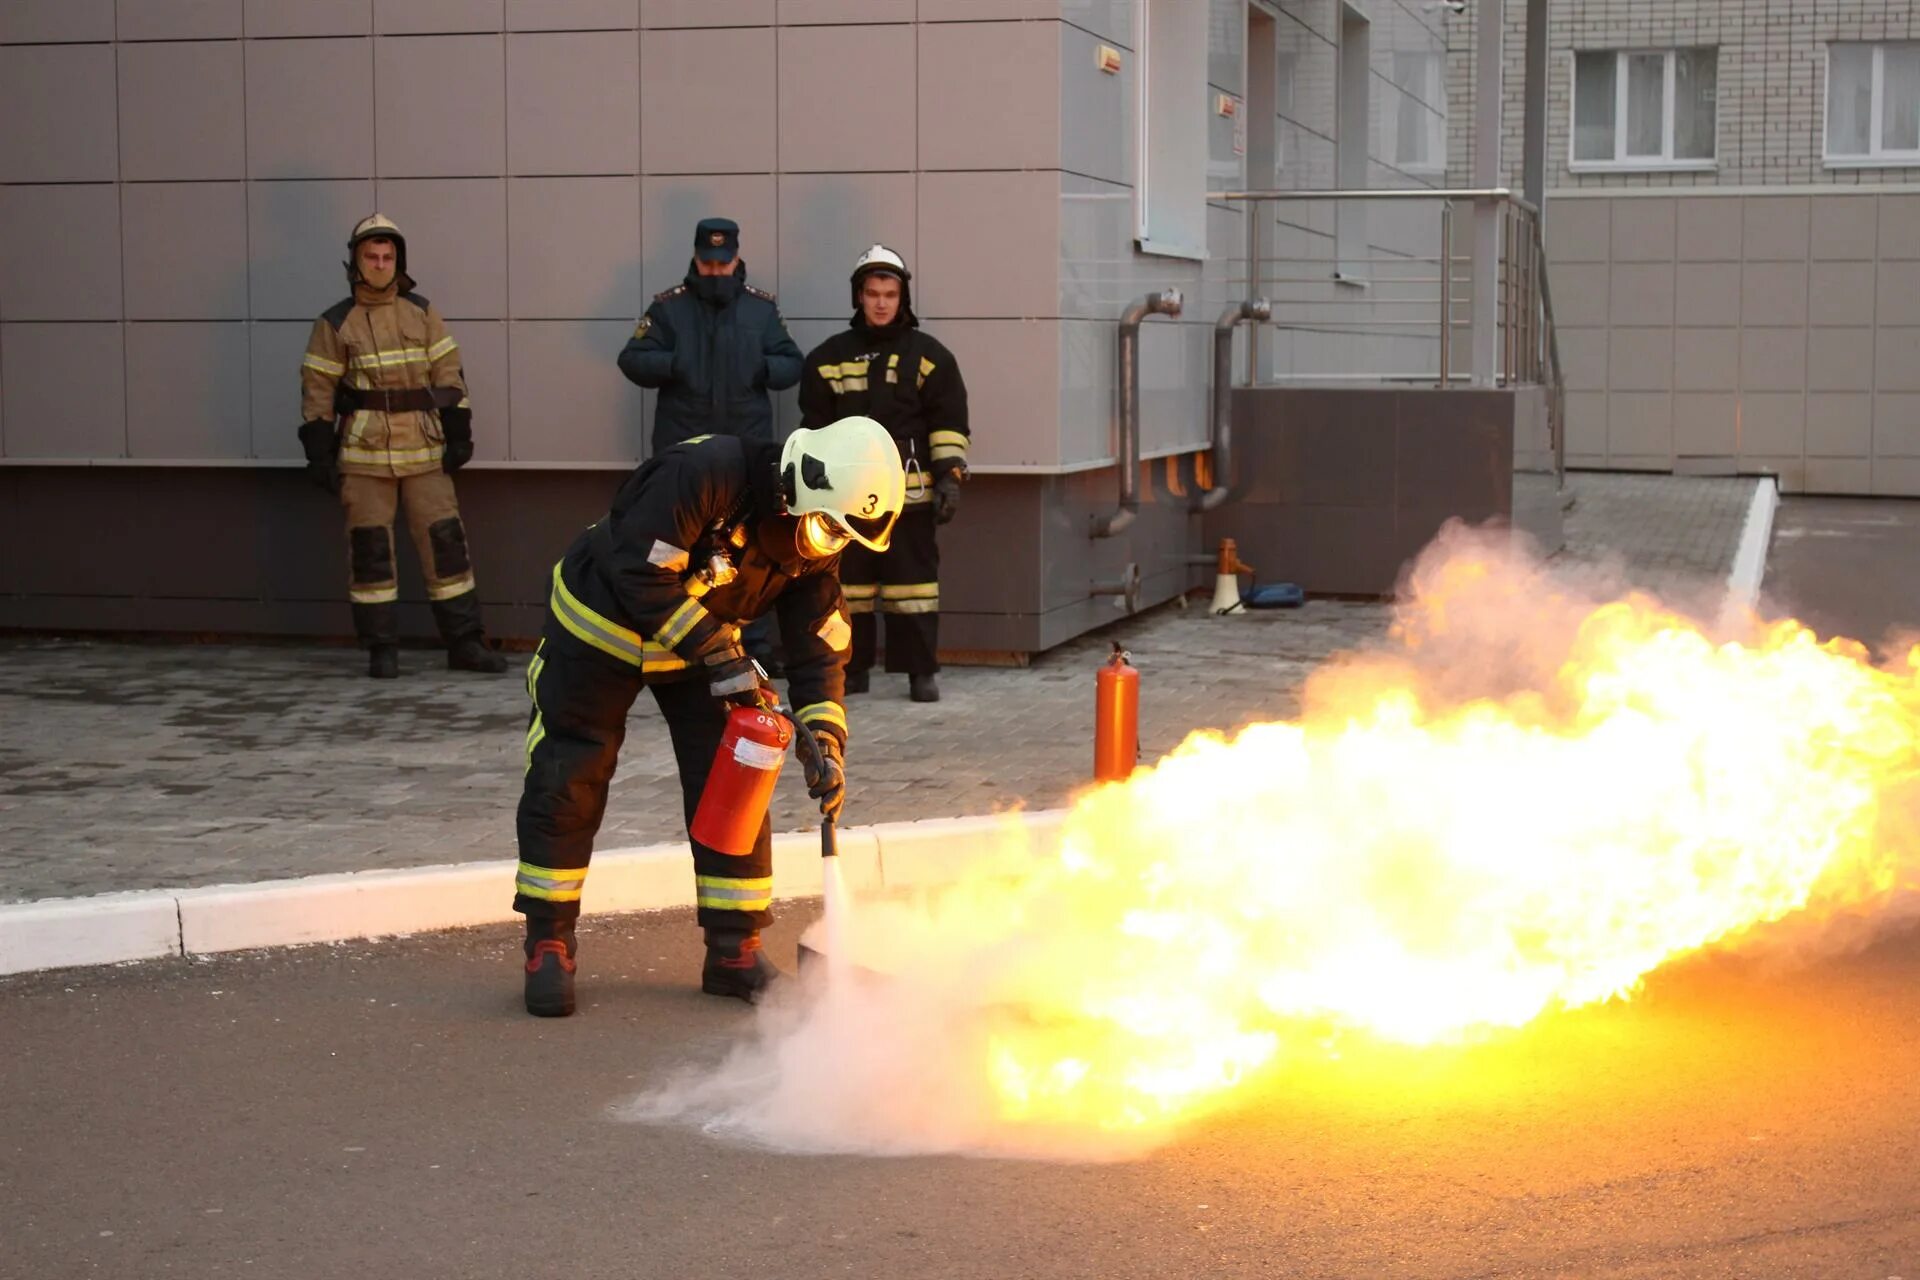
[640, 330]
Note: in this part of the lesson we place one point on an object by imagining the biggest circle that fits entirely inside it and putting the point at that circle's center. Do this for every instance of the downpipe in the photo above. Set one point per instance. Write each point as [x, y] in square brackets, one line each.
[1167, 302]
[1220, 442]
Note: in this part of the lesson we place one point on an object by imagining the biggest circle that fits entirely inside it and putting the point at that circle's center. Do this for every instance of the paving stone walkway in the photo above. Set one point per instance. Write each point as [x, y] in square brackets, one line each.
[142, 766]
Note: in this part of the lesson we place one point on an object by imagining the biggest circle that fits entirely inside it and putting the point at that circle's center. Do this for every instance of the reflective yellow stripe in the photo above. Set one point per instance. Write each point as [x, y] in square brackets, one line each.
[373, 595]
[586, 625]
[323, 364]
[729, 894]
[389, 359]
[926, 367]
[537, 729]
[441, 347]
[353, 453]
[947, 444]
[852, 384]
[553, 884]
[448, 590]
[827, 712]
[910, 606]
[921, 496]
[681, 622]
[697, 439]
[909, 590]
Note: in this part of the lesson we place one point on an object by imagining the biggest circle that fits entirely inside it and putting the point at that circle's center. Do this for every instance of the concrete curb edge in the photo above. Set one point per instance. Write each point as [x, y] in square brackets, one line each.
[1756, 535]
[113, 928]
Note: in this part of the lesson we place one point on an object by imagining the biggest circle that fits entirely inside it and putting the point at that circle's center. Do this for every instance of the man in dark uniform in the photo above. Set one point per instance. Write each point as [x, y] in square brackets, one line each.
[715, 346]
[705, 535]
[886, 368]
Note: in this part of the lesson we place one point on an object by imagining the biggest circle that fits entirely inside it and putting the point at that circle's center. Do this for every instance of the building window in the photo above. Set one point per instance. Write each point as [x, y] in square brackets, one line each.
[1644, 109]
[1175, 108]
[1419, 117]
[1873, 104]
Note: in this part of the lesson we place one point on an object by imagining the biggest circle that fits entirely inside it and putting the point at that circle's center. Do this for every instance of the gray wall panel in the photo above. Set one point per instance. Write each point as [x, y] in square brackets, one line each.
[53, 20]
[989, 244]
[1091, 100]
[1088, 400]
[308, 18]
[707, 101]
[483, 358]
[573, 248]
[295, 86]
[166, 229]
[573, 15]
[65, 390]
[989, 95]
[189, 385]
[274, 351]
[826, 222]
[794, 12]
[58, 104]
[63, 262]
[456, 231]
[442, 102]
[1111, 20]
[986, 10]
[179, 19]
[706, 13]
[573, 103]
[828, 120]
[569, 401]
[422, 17]
[671, 206]
[297, 239]
[182, 111]
[1013, 387]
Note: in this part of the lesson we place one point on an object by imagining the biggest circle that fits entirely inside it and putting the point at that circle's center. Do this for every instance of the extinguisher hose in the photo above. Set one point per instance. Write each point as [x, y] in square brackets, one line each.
[808, 750]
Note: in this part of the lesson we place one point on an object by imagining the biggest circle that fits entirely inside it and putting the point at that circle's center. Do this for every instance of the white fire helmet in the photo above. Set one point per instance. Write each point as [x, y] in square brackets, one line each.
[845, 482]
[881, 258]
[378, 224]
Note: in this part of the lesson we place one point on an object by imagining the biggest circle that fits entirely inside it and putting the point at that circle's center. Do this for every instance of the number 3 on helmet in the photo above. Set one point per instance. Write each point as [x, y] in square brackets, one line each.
[847, 479]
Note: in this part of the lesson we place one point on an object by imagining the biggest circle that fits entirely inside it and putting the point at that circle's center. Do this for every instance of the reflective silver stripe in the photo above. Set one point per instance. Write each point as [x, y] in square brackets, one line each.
[589, 626]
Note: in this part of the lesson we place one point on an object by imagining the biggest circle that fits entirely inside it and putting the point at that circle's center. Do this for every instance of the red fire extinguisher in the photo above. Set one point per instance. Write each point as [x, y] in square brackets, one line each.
[1116, 719]
[740, 784]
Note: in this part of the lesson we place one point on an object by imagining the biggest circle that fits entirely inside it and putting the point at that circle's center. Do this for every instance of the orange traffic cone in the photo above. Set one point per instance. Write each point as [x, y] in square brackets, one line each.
[1226, 580]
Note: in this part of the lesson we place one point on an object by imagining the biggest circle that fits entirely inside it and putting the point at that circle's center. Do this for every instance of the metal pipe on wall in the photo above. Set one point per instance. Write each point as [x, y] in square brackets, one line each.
[1220, 441]
[1167, 302]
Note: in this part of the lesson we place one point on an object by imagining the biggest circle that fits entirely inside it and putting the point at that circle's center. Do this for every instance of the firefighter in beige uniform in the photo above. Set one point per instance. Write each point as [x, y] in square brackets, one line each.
[387, 419]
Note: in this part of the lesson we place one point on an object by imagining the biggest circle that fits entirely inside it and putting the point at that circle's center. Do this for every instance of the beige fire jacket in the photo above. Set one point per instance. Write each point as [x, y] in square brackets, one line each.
[388, 355]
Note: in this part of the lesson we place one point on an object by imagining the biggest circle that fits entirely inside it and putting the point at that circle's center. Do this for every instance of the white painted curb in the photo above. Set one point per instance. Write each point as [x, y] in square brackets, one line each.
[111, 928]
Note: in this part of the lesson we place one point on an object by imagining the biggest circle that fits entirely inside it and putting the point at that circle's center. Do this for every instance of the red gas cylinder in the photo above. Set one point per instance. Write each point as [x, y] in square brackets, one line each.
[740, 784]
[1116, 719]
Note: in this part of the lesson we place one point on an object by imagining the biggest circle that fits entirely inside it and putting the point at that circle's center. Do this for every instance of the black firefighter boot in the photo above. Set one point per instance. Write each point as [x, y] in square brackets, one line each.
[550, 949]
[736, 966]
[923, 688]
[459, 622]
[379, 629]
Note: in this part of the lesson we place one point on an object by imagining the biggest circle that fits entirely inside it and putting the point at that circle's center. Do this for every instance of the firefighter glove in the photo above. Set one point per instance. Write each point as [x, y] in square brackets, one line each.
[323, 466]
[826, 771]
[738, 681]
[946, 497]
[456, 425]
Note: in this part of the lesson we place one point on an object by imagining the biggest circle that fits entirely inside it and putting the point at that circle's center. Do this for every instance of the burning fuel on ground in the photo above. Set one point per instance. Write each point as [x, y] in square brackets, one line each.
[1537, 791]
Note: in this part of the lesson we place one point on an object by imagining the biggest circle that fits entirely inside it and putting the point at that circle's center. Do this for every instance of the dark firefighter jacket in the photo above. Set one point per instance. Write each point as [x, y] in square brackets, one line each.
[906, 381]
[713, 365]
[636, 588]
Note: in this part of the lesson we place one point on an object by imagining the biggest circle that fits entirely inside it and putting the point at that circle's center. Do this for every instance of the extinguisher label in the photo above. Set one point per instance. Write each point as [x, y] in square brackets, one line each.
[757, 755]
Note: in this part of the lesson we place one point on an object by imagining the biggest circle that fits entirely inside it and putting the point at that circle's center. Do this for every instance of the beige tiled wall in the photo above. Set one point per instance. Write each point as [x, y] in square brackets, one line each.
[1715, 332]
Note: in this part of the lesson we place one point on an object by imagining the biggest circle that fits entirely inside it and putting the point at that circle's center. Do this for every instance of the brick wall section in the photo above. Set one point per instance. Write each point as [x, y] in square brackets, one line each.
[1772, 82]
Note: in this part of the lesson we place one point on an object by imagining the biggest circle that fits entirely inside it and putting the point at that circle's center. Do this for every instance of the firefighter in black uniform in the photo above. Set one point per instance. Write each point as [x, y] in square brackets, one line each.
[885, 368]
[708, 534]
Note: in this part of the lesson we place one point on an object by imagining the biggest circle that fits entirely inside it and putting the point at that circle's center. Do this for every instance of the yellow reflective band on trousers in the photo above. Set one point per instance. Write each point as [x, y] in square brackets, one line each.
[538, 728]
[607, 636]
[910, 597]
[860, 597]
[554, 884]
[448, 590]
[725, 893]
[354, 453]
[824, 713]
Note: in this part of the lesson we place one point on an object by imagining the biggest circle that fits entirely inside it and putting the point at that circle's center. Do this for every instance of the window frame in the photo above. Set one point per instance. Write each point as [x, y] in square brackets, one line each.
[1434, 121]
[1875, 156]
[1666, 161]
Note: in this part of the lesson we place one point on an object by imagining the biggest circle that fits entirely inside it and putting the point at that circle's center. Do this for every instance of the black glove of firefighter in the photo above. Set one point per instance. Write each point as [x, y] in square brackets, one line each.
[323, 463]
[456, 424]
[946, 496]
[826, 770]
[738, 681]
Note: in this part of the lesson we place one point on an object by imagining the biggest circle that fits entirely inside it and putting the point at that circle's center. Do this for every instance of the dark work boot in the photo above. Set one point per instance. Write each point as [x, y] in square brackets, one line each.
[383, 662]
[550, 964]
[470, 653]
[736, 966]
[859, 681]
[923, 688]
